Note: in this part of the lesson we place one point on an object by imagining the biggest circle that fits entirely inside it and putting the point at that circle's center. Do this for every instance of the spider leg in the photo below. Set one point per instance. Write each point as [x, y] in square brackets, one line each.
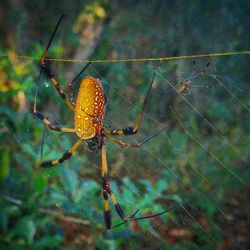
[65, 156]
[45, 67]
[131, 130]
[105, 188]
[45, 120]
[205, 71]
[133, 218]
[202, 72]
[70, 85]
[134, 145]
[50, 125]
[108, 192]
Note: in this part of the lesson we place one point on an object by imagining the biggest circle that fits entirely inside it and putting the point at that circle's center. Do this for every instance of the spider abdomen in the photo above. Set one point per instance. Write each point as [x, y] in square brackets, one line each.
[89, 108]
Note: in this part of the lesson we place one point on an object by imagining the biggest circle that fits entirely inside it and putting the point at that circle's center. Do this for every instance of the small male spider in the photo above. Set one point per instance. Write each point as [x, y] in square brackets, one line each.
[89, 112]
[187, 81]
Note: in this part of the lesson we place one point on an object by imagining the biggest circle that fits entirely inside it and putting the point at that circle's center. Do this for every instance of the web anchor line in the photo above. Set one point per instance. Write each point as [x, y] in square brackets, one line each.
[230, 53]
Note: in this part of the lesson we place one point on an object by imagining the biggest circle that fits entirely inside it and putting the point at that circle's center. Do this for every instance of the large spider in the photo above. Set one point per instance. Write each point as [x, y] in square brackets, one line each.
[89, 111]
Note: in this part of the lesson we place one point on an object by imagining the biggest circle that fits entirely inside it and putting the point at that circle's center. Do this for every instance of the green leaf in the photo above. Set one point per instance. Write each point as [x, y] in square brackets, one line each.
[57, 198]
[144, 224]
[161, 186]
[5, 163]
[5, 215]
[71, 181]
[8, 112]
[220, 111]
[25, 228]
[88, 189]
[48, 242]
[129, 185]
[40, 182]
[23, 161]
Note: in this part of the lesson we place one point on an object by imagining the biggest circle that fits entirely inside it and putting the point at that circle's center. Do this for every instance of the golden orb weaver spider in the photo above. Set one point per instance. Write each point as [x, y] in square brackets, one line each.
[89, 112]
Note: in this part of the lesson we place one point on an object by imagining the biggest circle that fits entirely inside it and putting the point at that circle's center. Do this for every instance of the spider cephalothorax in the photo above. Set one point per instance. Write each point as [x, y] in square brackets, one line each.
[94, 144]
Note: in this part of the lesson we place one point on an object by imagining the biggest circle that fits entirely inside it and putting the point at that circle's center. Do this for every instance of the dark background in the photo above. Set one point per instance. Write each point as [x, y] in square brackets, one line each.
[200, 161]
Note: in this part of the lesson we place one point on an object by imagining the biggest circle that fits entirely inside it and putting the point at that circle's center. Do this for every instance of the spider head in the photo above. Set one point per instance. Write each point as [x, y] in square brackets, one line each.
[93, 144]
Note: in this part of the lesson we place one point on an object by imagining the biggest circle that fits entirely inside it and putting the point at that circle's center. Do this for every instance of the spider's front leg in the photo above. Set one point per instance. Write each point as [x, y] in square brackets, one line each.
[41, 117]
[132, 130]
[45, 68]
[70, 84]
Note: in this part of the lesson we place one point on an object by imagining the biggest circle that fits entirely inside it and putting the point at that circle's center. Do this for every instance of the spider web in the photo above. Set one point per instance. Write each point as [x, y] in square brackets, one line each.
[192, 217]
[212, 155]
[199, 161]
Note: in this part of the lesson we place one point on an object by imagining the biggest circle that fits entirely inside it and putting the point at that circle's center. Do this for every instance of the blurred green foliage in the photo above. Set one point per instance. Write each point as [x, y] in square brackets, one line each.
[190, 162]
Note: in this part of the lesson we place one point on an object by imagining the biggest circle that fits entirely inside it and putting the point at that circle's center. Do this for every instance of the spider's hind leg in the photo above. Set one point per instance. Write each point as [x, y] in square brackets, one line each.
[107, 192]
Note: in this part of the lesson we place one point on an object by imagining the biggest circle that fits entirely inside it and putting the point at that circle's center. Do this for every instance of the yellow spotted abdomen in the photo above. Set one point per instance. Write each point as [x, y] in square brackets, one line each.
[89, 108]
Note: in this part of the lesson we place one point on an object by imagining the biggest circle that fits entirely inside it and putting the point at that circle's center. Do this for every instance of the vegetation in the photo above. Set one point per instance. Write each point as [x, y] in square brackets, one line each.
[200, 161]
